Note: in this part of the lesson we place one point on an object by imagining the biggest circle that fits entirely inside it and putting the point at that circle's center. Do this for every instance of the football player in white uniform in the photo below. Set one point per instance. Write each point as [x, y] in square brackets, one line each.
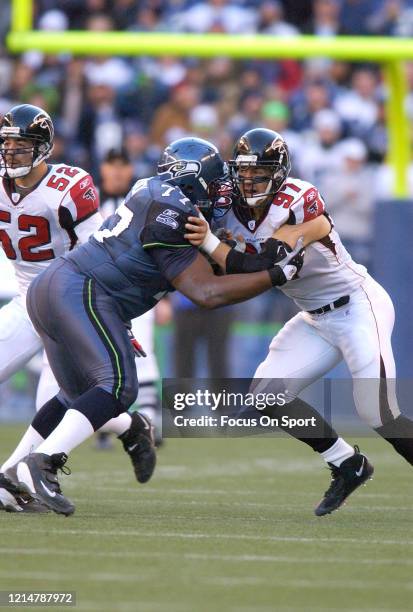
[345, 313]
[45, 210]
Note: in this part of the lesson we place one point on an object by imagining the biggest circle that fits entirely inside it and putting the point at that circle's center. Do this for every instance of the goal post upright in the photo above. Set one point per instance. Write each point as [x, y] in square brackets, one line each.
[390, 52]
[21, 16]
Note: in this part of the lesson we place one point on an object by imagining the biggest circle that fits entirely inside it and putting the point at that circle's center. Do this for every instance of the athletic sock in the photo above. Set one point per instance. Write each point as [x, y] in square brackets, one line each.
[117, 425]
[98, 406]
[49, 417]
[44, 422]
[29, 442]
[74, 429]
[88, 413]
[319, 437]
[337, 453]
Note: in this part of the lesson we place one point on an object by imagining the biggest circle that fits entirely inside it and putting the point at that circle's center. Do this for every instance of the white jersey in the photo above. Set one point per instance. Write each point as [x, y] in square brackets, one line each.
[36, 228]
[328, 272]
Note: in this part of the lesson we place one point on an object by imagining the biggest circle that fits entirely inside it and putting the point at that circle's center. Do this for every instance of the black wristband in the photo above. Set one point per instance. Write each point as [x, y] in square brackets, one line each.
[244, 263]
[277, 276]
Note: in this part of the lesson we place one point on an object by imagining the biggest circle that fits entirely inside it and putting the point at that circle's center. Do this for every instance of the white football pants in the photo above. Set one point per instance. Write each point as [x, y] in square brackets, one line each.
[308, 346]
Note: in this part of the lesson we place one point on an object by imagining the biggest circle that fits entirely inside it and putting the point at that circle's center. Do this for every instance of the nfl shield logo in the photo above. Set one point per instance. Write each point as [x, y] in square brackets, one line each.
[251, 225]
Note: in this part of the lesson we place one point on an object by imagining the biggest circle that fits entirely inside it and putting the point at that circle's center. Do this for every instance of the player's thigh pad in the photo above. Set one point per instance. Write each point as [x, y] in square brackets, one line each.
[19, 341]
[363, 331]
[85, 339]
[298, 355]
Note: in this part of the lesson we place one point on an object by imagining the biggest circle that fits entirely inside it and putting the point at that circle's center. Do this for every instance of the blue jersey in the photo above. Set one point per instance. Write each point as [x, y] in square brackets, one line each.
[141, 247]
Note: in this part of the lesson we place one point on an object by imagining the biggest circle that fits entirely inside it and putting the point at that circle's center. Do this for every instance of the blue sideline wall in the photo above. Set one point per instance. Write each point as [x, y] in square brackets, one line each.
[393, 268]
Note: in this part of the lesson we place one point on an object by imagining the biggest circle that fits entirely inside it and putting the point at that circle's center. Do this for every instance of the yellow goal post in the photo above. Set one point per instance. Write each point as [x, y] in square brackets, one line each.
[389, 52]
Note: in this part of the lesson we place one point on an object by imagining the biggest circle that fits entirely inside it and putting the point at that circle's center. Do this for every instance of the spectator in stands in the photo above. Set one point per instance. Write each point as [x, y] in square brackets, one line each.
[348, 190]
[358, 106]
[393, 18]
[217, 16]
[175, 112]
[314, 97]
[271, 20]
[319, 152]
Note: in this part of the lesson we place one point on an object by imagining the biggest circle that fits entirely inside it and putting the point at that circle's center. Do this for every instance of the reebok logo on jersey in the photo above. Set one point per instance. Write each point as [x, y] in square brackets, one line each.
[84, 183]
[311, 196]
[168, 217]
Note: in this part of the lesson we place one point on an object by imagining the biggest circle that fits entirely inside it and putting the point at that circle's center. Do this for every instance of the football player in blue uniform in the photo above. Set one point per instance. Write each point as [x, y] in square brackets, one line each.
[82, 303]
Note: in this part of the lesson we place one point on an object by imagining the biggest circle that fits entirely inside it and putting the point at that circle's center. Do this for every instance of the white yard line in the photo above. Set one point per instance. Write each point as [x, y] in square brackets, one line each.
[49, 552]
[225, 581]
[247, 504]
[204, 536]
[149, 489]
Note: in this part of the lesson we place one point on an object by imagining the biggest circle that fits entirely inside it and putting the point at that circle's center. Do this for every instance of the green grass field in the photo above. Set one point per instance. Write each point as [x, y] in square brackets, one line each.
[224, 525]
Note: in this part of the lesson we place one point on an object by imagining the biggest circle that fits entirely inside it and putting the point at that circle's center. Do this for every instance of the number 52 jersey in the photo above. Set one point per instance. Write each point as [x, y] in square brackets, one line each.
[50, 220]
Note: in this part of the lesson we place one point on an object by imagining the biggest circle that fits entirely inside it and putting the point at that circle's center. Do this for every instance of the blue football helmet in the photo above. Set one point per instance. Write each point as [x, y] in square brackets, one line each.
[196, 167]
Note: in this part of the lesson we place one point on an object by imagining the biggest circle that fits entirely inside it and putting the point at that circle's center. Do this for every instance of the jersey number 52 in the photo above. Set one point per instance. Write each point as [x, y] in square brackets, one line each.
[26, 244]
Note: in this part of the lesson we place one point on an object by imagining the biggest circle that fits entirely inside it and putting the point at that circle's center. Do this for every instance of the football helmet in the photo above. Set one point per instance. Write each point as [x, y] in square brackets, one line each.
[260, 166]
[196, 167]
[30, 123]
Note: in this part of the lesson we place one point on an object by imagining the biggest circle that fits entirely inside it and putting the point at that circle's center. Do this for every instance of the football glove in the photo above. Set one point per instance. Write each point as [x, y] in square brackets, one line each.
[137, 347]
[288, 261]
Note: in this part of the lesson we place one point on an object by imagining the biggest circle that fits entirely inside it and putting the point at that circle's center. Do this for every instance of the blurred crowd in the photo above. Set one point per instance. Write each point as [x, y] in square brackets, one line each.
[332, 113]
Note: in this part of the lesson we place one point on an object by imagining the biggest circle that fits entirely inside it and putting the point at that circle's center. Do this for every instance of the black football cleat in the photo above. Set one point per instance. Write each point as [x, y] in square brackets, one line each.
[138, 442]
[36, 474]
[13, 499]
[351, 474]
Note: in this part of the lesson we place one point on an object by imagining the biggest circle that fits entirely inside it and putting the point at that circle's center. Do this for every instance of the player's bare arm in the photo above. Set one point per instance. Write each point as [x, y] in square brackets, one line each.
[202, 286]
[276, 254]
[311, 231]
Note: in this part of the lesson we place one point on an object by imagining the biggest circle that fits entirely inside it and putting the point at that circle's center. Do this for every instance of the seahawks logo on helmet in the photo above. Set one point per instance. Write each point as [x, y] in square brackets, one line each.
[184, 167]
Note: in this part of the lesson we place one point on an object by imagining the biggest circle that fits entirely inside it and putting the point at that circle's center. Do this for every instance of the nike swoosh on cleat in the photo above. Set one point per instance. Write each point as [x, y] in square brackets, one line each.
[360, 471]
[131, 448]
[48, 491]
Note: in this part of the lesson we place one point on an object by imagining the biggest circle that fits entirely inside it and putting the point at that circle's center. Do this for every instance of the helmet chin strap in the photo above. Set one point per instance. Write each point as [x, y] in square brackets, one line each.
[260, 198]
[21, 171]
[14, 173]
